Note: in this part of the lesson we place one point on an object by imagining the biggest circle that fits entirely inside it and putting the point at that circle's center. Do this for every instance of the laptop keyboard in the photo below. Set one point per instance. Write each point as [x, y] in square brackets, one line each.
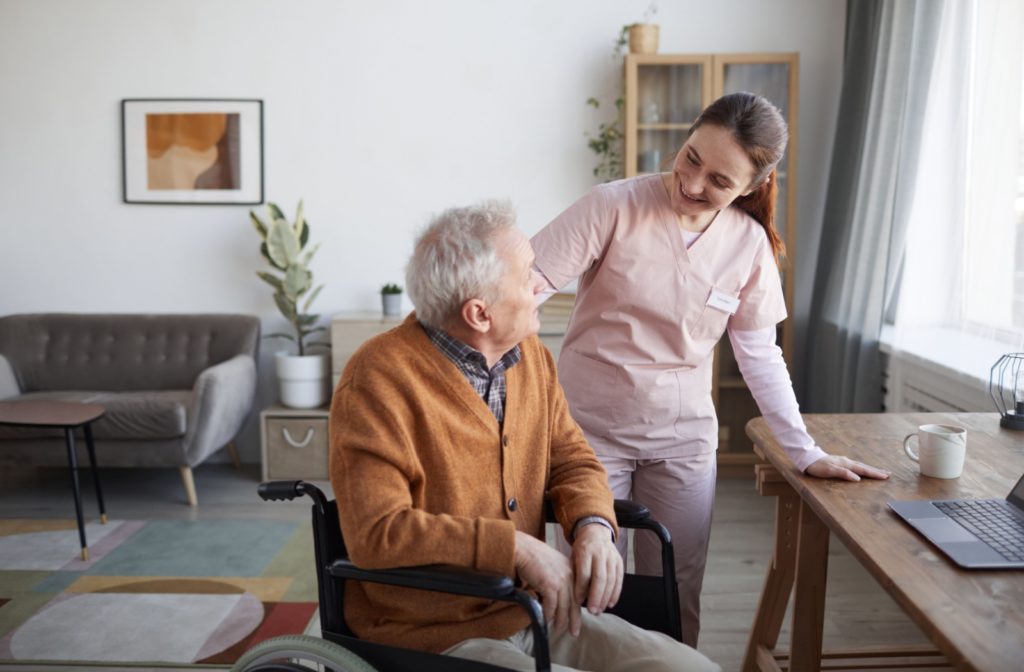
[991, 522]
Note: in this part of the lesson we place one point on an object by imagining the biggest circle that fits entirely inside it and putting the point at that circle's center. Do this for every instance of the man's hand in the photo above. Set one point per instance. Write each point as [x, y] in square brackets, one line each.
[598, 567]
[549, 573]
[837, 466]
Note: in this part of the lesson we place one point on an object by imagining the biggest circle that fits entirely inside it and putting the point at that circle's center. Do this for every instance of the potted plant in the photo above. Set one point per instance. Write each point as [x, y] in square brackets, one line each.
[607, 142]
[304, 378]
[643, 36]
[391, 299]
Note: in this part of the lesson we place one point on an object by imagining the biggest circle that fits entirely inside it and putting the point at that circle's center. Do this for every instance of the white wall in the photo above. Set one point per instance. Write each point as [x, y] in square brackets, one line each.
[377, 113]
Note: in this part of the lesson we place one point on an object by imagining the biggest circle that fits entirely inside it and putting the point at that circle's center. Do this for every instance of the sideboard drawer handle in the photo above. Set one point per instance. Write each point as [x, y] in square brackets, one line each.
[297, 444]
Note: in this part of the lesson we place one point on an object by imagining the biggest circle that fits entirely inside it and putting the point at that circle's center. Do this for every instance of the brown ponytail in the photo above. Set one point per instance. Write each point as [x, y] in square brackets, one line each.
[760, 204]
[759, 128]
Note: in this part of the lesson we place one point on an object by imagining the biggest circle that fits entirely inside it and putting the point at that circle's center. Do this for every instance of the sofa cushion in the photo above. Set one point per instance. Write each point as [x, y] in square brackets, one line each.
[82, 352]
[149, 414]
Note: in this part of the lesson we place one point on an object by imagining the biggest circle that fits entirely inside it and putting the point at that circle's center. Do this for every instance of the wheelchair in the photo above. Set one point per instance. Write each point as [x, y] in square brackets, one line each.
[650, 602]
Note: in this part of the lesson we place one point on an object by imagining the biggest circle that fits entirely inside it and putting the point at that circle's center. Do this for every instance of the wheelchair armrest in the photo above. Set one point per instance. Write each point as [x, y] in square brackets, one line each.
[629, 514]
[458, 581]
[439, 578]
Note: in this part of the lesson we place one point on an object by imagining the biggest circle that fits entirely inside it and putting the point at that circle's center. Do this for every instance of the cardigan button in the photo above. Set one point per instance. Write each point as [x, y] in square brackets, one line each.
[504, 440]
[513, 504]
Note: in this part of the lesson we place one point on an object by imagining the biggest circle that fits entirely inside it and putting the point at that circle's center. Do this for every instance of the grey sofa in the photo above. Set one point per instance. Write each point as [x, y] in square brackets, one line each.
[176, 388]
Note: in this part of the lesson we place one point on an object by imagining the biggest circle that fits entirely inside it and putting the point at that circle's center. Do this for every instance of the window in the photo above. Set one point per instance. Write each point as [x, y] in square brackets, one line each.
[964, 260]
[1018, 275]
[993, 268]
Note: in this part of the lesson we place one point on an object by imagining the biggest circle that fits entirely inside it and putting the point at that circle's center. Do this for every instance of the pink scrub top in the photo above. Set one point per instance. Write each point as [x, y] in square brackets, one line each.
[636, 361]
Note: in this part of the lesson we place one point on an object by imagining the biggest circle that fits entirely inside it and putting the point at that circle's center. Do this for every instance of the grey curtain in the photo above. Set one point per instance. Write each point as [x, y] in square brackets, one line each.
[890, 49]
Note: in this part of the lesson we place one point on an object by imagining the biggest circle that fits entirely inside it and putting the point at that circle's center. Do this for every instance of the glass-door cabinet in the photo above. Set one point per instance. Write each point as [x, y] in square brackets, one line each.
[664, 95]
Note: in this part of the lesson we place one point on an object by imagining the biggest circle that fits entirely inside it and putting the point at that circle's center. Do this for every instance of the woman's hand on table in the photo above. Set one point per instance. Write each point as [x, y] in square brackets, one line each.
[838, 466]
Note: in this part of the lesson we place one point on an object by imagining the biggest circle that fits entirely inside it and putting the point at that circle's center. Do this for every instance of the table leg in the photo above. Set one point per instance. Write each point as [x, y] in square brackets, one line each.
[778, 583]
[87, 429]
[69, 440]
[809, 593]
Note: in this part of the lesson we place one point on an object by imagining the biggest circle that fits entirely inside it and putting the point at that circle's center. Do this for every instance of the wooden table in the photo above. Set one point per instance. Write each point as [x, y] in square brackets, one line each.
[975, 618]
[68, 416]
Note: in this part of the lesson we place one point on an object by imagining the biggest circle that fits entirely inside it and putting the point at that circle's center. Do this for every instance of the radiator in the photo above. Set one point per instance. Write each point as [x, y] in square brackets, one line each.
[928, 387]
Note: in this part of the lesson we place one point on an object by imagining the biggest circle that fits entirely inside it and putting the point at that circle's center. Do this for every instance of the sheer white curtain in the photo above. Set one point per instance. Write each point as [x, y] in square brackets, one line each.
[930, 282]
[955, 303]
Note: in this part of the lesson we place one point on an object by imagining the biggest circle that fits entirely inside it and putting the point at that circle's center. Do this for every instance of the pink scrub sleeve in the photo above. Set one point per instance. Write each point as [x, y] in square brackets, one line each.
[574, 240]
[764, 370]
[762, 303]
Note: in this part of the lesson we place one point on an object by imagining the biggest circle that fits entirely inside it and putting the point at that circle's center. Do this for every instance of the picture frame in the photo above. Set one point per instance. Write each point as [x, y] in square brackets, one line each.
[192, 151]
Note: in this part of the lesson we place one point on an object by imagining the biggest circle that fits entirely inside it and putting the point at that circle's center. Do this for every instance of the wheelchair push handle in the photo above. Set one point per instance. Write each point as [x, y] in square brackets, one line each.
[277, 490]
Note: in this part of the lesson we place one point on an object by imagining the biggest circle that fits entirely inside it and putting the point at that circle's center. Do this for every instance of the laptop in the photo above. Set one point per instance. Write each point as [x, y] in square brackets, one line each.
[974, 533]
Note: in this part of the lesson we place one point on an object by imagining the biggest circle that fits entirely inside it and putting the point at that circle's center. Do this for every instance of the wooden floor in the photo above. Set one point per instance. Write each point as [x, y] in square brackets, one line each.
[858, 612]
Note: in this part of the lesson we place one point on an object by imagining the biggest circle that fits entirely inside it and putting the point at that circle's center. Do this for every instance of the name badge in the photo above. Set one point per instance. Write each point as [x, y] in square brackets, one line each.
[723, 302]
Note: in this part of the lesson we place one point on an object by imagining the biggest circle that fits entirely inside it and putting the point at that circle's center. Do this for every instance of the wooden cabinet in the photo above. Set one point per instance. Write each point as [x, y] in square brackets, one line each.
[349, 330]
[664, 95]
[295, 443]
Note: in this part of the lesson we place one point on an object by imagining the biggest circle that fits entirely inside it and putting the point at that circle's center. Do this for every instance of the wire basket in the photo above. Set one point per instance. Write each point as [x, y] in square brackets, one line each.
[1006, 387]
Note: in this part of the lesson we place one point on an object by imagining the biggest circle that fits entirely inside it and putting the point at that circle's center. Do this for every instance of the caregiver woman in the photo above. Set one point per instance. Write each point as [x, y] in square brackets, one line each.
[666, 264]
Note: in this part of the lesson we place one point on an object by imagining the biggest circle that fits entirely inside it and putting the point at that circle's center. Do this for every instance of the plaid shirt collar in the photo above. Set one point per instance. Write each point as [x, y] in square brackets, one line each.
[488, 383]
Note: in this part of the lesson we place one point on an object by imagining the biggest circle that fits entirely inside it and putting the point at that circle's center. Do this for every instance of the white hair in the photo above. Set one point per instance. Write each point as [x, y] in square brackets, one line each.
[455, 259]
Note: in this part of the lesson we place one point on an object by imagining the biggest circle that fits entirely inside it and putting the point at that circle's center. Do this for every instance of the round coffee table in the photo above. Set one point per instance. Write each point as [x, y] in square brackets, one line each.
[68, 416]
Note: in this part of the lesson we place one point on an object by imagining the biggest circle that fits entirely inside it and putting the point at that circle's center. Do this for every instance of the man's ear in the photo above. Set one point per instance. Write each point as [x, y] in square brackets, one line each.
[476, 316]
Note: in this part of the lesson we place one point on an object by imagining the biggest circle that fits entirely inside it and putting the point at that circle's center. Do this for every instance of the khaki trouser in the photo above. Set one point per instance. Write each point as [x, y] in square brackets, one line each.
[606, 643]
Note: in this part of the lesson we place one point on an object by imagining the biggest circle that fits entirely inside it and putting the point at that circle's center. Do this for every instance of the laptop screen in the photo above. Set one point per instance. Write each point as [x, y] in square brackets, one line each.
[1016, 496]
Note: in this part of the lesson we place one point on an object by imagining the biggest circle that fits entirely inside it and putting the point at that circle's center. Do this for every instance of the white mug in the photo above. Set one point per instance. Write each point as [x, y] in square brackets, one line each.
[942, 450]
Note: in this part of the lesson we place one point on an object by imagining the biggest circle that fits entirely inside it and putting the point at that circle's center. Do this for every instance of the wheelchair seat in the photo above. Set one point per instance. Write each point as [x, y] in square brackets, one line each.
[650, 602]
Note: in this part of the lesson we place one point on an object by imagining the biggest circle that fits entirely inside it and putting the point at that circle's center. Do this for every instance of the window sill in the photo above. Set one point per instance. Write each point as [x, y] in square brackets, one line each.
[949, 352]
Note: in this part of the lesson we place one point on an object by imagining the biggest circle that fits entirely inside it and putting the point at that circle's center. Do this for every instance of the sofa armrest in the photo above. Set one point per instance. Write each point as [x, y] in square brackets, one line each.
[222, 399]
[9, 386]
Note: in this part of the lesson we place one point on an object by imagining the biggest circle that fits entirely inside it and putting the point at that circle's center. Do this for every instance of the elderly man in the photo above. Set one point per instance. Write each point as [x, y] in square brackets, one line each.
[446, 434]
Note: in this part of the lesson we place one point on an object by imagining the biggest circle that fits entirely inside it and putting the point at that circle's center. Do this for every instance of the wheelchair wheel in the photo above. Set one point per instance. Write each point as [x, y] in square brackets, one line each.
[287, 653]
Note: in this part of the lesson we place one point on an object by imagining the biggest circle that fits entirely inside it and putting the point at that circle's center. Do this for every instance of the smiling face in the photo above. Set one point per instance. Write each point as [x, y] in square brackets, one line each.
[710, 172]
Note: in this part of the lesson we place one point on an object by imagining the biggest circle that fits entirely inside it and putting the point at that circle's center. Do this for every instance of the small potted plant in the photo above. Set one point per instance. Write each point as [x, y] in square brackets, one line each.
[607, 143]
[391, 299]
[304, 378]
[643, 36]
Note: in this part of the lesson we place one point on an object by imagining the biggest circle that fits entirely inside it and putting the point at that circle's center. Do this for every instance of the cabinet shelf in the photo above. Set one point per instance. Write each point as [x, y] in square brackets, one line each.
[740, 459]
[732, 382]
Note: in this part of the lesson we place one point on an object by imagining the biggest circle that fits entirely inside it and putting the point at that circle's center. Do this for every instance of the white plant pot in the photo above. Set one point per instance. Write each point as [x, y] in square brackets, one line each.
[392, 304]
[303, 382]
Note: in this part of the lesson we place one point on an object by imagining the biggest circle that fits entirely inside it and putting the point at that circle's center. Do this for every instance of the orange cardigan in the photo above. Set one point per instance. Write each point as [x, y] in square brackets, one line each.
[423, 474]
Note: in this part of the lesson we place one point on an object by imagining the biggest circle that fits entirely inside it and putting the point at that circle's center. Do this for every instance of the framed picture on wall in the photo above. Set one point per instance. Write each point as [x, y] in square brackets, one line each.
[192, 151]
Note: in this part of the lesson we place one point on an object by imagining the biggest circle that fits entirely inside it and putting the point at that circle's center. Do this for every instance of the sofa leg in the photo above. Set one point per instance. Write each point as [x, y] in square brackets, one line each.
[190, 485]
[233, 452]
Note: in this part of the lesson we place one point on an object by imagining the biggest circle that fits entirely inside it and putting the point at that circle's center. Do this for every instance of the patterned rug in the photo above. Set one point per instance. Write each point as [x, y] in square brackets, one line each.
[164, 591]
